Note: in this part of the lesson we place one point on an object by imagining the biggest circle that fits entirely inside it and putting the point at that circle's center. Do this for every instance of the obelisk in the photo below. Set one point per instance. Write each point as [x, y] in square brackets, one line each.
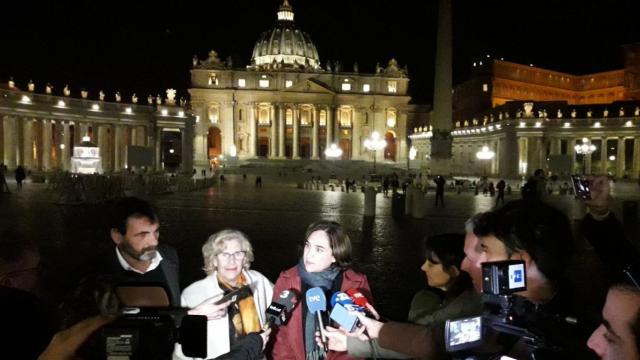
[441, 140]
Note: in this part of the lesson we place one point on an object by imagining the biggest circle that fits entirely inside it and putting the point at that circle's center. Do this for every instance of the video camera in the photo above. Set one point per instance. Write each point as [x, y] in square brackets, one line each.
[504, 313]
[147, 328]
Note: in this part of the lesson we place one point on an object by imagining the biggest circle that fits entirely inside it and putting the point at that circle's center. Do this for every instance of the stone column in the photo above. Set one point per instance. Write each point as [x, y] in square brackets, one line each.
[99, 132]
[356, 126]
[2, 138]
[329, 127]
[46, 145]
[273, 144]
[118, 148]
[66, 152]
[158, 149]
[10, 136]
[603, 156]
[187, 146]
[295, 153]
[314, 136]
[336, 125]
[281, 132]
[27, 157]
[253, 131]
[141, 136]
[620, 160]
[636, 158]
[523, 151]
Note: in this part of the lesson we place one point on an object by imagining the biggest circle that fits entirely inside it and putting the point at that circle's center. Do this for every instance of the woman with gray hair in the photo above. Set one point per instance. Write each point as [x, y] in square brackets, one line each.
[227, 257]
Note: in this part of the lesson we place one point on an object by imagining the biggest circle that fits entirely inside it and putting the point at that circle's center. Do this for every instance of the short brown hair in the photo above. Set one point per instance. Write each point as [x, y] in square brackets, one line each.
[338, 240]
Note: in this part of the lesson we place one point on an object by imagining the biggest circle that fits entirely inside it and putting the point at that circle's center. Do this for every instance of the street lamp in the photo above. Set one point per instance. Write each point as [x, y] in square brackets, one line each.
[333, 152]
[485, 154]
[585, 149]
[374, 143]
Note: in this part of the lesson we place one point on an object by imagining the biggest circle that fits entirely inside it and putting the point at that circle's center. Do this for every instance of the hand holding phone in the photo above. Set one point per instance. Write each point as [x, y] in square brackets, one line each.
[581, 187]
[235, 295]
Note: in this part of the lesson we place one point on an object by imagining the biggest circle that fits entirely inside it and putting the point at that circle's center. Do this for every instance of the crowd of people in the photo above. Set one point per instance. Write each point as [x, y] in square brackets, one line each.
[527, 230]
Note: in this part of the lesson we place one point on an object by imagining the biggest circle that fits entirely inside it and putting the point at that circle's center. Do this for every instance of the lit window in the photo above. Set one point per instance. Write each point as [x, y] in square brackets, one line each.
[264, 83]
[289, 117]
[288, 83]
[213, 79]
[485, 87]
[366, 88]
[213, 114]
[392, 86]
[391, 118]
[322, 118]
[346, 86]
[242, 83]
[305, 116]
[263, 116]
[345, 117]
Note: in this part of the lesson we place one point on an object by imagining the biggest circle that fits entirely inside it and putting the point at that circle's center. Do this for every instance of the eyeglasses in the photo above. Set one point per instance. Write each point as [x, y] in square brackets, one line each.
[238, 255]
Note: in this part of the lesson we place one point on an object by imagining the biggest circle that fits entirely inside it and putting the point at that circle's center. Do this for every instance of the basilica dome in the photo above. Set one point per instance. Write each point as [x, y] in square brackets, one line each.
[284, 46]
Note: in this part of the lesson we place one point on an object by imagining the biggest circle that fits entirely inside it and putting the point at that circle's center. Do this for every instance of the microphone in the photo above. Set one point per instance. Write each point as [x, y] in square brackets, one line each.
[280, 309]
[317, 303]
[343, 299]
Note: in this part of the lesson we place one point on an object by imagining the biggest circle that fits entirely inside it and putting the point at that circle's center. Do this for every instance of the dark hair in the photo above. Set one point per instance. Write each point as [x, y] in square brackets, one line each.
[131, 207]
[537, 228]
[634, 325]
[445, 249]
[338, 240]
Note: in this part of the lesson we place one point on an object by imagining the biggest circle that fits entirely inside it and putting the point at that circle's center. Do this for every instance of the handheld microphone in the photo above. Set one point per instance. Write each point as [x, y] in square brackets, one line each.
[343, 299]
[317, 303]
[280, 309]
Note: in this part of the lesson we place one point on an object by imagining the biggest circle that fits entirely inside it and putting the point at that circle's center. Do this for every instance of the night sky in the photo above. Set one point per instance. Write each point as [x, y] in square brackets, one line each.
[146, 47]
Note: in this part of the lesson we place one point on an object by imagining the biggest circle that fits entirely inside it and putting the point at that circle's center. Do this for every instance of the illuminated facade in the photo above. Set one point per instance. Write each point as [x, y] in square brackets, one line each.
[41, 132]
[533, 118]
[284, 105]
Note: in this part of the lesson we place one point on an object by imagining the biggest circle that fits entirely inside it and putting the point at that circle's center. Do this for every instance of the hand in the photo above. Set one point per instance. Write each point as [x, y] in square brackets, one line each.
[373, 311]
[64, 344]
[373, 326]
[209, 309]
[265, 337]
[599, 202]
[336, 339]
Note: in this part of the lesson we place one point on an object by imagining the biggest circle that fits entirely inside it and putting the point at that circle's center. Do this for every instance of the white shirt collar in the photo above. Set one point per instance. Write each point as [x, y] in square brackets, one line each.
[155, 262]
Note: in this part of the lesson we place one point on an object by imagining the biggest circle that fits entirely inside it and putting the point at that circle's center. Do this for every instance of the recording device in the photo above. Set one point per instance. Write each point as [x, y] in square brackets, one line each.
[317, 303]
[149, 331]
[503, 277]
[463, 333]
[342, 305]
[581, 187]
[280, 309]
[236, 295]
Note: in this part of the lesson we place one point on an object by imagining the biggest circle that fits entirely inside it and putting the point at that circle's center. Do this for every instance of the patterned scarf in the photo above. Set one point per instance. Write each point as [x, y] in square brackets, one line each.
[242, 314]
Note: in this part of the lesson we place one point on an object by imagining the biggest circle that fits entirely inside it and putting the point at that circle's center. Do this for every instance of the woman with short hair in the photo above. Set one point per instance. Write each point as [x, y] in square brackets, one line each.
[227, 257]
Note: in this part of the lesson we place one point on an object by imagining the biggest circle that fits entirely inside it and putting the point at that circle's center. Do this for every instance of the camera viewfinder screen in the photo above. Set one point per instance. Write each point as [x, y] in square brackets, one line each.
[465, 331]
[516, 277]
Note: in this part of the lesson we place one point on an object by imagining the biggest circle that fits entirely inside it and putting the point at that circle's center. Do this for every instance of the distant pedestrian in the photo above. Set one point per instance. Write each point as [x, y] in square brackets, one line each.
[244, 177]
[259, 181]
[492, 189]
[4, 187]
[20, 176]
[440, 182]
[500, 186]
[221, 177]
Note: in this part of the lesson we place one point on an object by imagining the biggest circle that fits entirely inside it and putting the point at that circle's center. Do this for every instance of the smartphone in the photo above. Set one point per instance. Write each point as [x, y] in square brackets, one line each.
[581, 187]
[235, 295]
[345, 319]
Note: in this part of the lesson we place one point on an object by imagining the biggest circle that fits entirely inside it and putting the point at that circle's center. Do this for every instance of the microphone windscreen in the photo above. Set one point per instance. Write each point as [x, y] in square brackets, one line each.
[358, 297]
[316, 301]
[341, 298]
[288, 298]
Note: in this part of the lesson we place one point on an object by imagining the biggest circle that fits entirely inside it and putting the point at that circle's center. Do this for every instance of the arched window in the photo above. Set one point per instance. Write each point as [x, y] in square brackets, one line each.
[345, 117]
[289, 117]
[263, 115]
[305, 116]
[322, 121]
[391, 117]
[213, 113]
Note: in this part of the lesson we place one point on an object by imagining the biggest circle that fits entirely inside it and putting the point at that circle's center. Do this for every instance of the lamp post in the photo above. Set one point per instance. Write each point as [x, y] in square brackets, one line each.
[375, 143]
[585, 149]
[485, 154]
[333, 152]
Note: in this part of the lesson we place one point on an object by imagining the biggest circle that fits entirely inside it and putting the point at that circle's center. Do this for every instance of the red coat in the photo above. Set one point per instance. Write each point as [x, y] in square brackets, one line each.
[288, 342]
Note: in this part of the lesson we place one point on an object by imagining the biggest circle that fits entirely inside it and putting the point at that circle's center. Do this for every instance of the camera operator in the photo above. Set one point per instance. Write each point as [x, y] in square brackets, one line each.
[540, 235]
[618, 337]
[603, 230]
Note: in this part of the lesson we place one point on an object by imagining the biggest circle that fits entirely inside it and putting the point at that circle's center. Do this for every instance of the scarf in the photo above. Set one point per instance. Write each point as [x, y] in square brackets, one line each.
[323, 279]
[242, 314]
